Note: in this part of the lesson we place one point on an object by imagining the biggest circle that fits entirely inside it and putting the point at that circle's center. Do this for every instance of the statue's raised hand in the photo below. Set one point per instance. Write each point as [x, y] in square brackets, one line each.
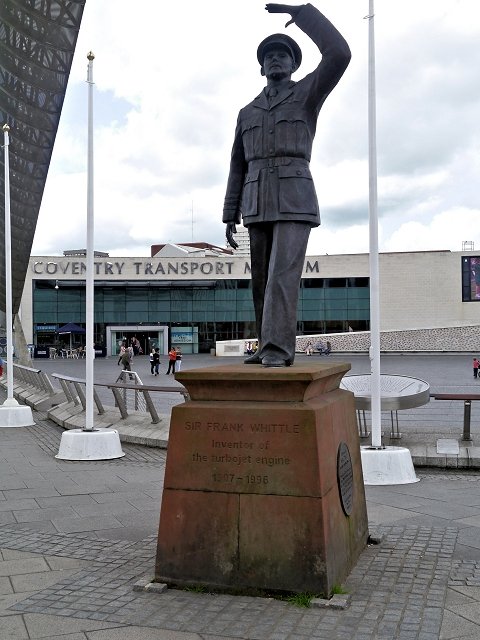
[283, 8]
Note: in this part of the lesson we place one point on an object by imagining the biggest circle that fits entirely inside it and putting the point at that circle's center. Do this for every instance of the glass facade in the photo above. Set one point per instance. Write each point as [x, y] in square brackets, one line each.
[333, 305]
[217, 309]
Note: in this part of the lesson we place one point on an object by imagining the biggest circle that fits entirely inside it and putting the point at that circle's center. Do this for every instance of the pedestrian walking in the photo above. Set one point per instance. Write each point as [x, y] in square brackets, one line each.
[152, 361]
[135, 346]
[172, 358]
[476, 365]
[125, 359]
[156, 360]
[178, 360]
[123, 348]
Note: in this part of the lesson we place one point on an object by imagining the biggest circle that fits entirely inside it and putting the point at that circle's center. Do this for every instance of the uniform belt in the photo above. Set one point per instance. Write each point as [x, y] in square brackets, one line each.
[263, 163]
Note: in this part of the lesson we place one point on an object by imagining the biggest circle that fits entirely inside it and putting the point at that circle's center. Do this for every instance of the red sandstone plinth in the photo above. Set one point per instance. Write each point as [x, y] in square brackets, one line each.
[263, 481]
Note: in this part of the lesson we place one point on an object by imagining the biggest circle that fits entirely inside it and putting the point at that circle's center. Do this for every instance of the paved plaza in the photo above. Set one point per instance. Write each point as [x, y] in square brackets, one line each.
[75, 537]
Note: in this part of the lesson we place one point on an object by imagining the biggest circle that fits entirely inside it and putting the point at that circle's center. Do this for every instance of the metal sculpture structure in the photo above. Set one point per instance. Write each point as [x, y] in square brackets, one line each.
[37, 43]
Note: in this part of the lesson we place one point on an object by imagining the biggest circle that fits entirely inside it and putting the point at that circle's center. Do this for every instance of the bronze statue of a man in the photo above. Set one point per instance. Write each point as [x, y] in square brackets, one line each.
[270, 184]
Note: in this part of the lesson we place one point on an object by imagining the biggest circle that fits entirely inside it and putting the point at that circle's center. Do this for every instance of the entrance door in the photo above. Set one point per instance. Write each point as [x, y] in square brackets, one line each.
[137, 340]
[147, 336]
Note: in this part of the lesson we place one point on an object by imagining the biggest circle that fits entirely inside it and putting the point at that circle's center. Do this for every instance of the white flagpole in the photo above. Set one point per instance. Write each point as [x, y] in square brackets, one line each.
[8, 272]
[89, 293]
[12, 414]
[373, 230]
[380, 465]
[90, 443]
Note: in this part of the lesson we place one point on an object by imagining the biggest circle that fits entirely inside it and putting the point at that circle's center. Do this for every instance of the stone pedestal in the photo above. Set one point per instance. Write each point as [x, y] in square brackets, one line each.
[263, 481]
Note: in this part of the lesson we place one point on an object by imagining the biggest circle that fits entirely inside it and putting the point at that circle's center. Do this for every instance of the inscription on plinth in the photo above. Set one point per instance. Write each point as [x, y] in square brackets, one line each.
[261, 449]
[240, 456]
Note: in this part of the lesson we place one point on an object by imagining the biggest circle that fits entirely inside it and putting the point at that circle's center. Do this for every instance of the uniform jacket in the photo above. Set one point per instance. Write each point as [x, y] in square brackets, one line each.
[270, 178]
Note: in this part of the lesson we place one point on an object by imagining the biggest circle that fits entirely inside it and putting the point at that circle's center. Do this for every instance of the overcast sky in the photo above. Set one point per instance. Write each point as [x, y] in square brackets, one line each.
[170, 79]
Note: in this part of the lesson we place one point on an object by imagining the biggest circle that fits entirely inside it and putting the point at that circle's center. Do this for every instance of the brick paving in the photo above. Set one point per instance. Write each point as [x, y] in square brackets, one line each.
[398, 590]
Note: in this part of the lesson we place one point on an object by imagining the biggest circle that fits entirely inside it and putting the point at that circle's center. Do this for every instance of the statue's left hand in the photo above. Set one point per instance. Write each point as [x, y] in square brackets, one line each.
[229, 231]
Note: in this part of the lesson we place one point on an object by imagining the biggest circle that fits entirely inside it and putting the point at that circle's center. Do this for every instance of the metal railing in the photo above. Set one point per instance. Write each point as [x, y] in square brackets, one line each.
[133, 399]
[34, 378]
[74, 389]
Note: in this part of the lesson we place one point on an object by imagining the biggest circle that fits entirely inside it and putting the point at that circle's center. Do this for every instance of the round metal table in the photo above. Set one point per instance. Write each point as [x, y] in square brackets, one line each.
[396, 393]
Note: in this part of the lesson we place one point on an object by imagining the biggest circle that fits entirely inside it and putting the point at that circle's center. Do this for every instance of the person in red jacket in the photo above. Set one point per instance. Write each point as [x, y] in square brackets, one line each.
[476, 365]
[172, 358]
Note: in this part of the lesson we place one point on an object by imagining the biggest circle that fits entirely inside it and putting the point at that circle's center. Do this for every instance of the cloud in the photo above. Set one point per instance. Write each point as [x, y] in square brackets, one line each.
[446, 230]
[331, 240]
[170, 81]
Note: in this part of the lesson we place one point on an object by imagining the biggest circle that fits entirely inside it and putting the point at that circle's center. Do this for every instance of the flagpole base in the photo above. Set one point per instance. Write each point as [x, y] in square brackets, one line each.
[13, 414]
[81, 444]
[390, 465]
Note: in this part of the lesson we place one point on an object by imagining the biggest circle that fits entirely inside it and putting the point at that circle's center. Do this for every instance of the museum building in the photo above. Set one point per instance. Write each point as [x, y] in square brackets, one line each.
[195, 294]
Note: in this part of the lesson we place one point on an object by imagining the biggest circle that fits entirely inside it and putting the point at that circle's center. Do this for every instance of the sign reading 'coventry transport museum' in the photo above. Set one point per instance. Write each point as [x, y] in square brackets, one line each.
[160, 268]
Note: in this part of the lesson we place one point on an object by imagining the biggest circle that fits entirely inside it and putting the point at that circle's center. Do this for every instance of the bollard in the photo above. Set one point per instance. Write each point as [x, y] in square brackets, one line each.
[467, 410]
